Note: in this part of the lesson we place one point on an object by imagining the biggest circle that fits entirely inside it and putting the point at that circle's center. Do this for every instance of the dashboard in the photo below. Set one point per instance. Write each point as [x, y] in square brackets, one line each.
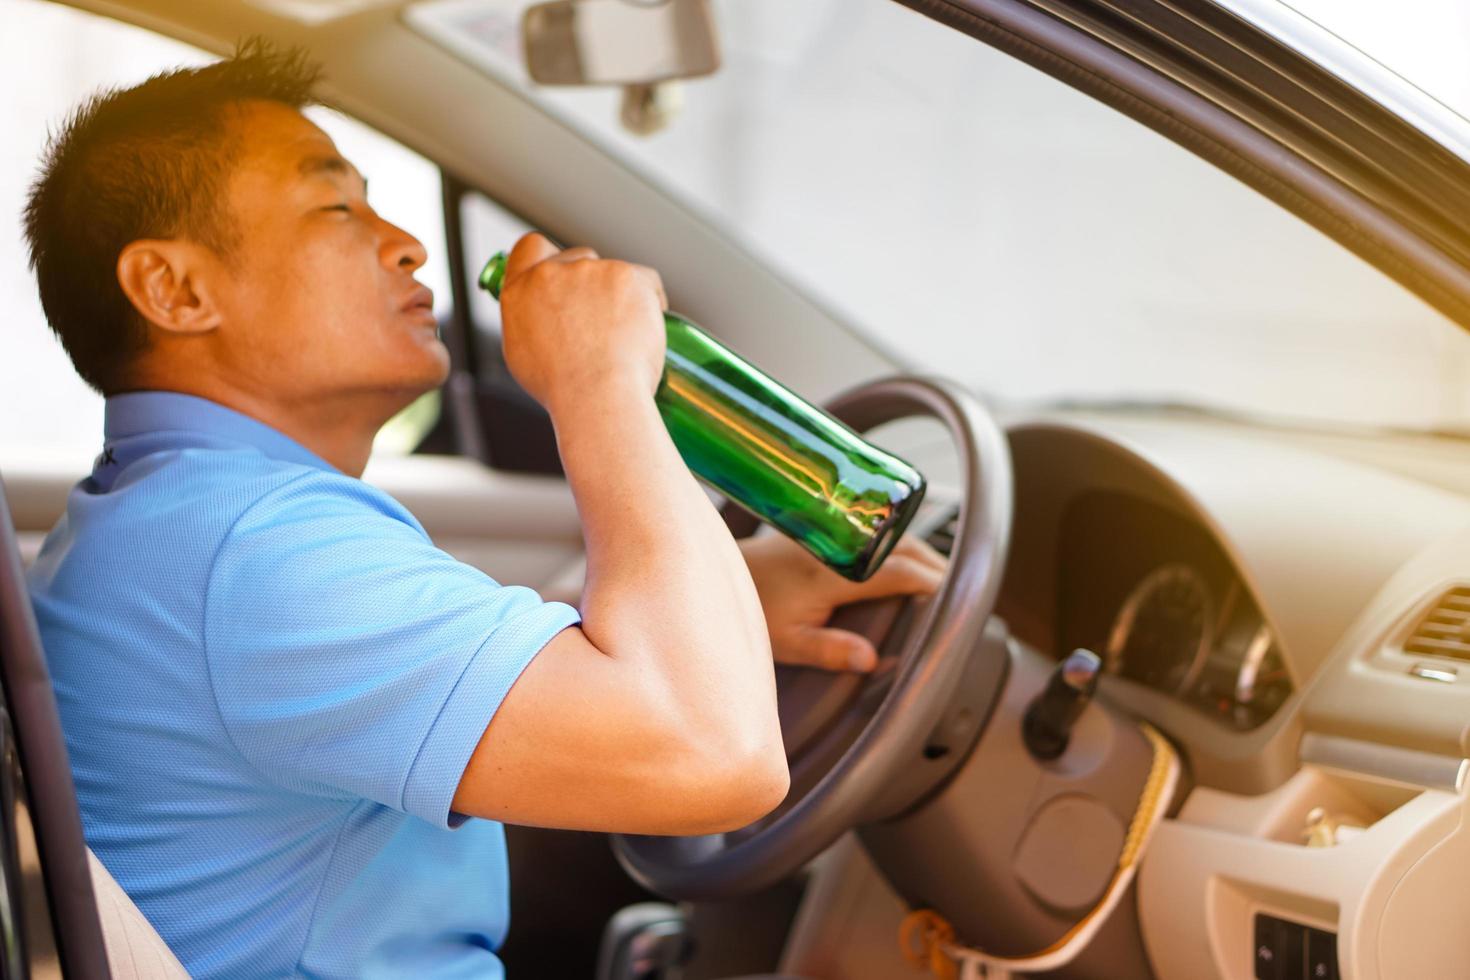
[1293, 617]
[1217, 570]
[1255, 599]
[1151, 593]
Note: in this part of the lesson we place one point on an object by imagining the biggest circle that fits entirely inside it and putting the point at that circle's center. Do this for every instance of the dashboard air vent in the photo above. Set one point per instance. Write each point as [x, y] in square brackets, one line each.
[1445, 629]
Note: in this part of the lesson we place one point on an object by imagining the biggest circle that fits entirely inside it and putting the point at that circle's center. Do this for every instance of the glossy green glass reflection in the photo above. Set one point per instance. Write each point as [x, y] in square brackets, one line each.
[781, 458]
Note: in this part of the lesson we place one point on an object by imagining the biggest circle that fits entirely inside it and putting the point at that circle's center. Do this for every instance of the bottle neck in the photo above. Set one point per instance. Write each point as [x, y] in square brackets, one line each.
[493, 274]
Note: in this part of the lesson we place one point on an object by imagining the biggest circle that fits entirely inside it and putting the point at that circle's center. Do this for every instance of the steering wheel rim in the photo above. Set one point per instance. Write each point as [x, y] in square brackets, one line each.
[935, 652]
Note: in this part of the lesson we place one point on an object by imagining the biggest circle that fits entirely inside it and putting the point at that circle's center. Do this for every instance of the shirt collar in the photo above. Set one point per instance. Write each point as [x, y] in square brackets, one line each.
[169, 420]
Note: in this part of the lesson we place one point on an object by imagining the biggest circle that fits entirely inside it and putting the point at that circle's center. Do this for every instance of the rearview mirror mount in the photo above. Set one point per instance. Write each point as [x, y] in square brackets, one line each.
[619, 42]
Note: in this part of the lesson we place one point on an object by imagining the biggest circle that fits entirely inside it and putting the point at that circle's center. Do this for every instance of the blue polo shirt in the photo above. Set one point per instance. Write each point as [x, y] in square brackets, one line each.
[271, 682]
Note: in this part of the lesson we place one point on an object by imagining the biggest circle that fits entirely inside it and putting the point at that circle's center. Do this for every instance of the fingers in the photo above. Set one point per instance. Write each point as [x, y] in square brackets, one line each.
[576, 254]
[917, 548]
[530, 249]
[534, 247]
[656, 281]
[901, 574]
[828, 649]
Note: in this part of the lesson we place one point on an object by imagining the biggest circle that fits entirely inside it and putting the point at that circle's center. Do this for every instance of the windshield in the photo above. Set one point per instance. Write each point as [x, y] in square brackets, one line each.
[981, 220]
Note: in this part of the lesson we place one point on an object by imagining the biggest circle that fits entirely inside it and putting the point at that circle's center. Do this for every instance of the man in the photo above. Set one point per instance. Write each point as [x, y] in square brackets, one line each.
[282, 702]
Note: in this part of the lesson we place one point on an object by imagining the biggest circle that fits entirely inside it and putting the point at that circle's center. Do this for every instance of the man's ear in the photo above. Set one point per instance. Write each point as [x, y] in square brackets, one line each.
[163, 280]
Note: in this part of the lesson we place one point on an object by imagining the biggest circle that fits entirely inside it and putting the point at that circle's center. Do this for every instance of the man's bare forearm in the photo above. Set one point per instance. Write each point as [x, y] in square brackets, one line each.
[658, 715]
[667, 589]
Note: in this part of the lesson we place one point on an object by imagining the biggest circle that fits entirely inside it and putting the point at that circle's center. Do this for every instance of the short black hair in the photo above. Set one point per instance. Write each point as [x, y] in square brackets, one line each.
[149, 161]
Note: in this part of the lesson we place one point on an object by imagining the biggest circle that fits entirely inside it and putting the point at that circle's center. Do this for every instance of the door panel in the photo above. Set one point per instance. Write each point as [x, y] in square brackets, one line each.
[36, 485]
[518, 529]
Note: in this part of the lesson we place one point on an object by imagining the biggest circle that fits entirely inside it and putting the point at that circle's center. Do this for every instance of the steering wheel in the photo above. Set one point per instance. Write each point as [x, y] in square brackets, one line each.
[848, 735]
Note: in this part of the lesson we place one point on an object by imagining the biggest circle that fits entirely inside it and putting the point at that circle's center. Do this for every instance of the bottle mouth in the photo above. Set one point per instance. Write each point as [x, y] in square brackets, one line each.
[886, 537]
[493, 274]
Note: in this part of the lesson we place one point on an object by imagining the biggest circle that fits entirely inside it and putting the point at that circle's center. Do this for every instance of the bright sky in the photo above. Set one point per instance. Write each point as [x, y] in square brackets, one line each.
[1426, 42]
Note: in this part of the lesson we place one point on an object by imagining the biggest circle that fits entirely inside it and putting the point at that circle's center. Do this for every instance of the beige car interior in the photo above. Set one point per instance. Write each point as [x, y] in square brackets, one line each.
[1344, 811]
[134, 950]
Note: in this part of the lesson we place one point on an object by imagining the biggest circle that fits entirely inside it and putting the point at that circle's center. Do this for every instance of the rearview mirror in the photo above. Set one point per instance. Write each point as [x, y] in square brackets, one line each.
[619, 42]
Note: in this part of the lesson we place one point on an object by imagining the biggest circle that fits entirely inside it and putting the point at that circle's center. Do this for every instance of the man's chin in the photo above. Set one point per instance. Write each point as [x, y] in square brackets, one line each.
[429, 368]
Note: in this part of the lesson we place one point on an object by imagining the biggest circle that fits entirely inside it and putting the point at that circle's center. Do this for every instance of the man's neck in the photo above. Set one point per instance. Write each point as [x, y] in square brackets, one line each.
[340, 430]
[339, 436]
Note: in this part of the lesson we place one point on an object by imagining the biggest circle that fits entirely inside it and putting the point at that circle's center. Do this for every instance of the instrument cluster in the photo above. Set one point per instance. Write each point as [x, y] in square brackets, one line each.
[1152, 593]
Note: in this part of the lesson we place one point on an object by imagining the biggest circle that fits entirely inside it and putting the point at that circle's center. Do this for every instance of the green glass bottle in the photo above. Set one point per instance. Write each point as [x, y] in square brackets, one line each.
[781, 458]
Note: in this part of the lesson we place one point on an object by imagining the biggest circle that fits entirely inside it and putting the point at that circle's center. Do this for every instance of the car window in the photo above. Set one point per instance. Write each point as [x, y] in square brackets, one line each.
[488, 228]
[983, 220]
[51, 58]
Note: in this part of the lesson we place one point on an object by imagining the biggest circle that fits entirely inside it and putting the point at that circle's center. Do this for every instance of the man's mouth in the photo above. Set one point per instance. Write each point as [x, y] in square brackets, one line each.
[421, 299]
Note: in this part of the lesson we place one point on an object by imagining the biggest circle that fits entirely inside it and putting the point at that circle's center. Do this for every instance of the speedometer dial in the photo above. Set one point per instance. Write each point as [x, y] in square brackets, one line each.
[1263, 682]
[1163, 631]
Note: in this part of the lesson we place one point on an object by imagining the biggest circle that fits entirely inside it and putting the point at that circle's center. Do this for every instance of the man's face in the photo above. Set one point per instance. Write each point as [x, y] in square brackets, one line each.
[318, 298]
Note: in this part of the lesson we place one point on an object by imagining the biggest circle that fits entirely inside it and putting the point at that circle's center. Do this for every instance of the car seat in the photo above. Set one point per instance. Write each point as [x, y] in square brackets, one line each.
[98, 931]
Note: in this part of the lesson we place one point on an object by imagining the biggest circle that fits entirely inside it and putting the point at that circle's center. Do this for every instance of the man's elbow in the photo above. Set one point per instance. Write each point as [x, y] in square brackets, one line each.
[735, 787]
[756, 787]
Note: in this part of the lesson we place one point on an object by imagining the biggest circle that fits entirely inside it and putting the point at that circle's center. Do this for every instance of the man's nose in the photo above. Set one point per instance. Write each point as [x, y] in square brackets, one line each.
[400, 250]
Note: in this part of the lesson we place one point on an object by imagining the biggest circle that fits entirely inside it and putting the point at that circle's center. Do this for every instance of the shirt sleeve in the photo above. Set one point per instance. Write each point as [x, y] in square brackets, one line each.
[350, 657]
